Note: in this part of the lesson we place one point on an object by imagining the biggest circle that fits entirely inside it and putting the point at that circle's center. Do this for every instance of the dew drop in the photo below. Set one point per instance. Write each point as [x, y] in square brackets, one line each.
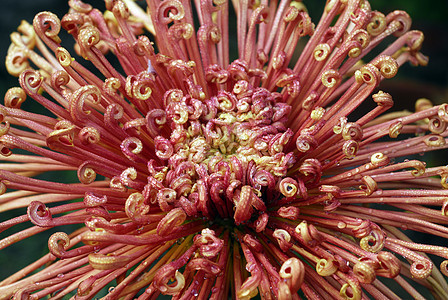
[249, 267]
[111, 289]
[60, 275]
[342, 225]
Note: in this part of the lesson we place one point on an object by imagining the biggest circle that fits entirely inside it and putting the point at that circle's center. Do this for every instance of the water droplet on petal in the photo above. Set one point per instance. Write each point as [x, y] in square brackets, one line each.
[194, 292]
[342, 225]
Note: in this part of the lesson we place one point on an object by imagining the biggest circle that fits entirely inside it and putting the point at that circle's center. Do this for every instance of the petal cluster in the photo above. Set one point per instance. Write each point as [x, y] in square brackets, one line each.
[211, 171]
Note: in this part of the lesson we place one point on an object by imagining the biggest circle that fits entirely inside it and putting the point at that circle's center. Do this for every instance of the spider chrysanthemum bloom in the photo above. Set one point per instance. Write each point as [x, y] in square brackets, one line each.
[206, 177]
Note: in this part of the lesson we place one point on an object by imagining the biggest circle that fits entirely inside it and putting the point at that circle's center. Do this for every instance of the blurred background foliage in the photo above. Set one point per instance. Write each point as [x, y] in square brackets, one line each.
[410, 84]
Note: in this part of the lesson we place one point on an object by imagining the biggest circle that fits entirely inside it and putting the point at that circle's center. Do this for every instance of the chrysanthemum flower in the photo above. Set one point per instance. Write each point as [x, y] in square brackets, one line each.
[206, 176]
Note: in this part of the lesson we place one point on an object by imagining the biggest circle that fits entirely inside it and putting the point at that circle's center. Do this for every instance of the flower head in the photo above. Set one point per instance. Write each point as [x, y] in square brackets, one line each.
[201, 175]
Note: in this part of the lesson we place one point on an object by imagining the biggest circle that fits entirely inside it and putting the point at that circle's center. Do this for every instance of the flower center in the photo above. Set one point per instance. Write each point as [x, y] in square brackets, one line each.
[224, 155]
